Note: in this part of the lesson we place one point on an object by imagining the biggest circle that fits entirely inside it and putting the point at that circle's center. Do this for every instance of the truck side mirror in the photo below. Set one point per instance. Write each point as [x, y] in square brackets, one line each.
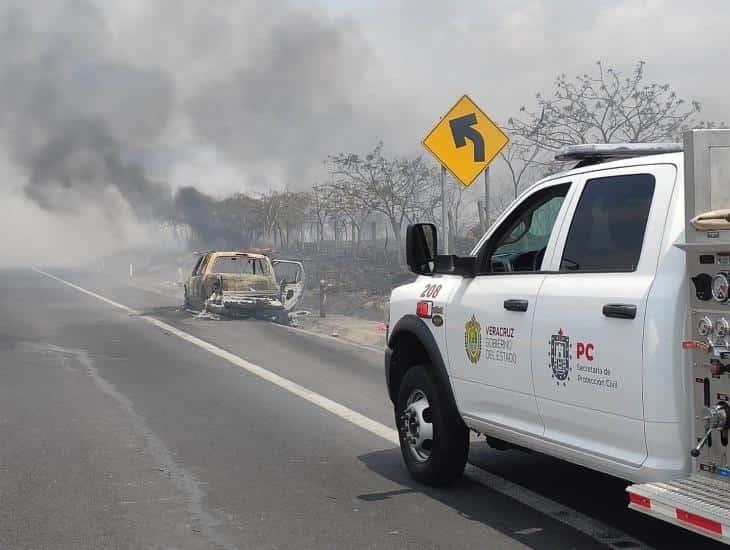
[421, 248]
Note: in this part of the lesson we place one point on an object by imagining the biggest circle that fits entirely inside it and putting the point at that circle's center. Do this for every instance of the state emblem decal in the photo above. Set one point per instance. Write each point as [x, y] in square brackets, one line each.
[560, 357]
[473, 339]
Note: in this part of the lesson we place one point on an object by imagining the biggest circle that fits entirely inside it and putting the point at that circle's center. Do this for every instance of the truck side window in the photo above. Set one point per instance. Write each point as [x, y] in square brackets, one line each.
[519, 243]
[607, 231]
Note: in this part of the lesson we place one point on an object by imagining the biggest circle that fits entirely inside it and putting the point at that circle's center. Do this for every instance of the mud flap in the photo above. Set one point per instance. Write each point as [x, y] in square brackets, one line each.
[292, 286]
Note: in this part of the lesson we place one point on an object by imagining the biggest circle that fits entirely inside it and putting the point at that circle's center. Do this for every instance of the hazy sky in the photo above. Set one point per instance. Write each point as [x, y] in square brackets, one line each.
[418, 56]
[502, 52]
[263, 90]
[250, 95]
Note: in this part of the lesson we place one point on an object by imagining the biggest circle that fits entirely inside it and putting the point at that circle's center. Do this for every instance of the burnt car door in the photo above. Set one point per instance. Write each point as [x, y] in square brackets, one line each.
[188, 287]
[290, 277]
[196, 281]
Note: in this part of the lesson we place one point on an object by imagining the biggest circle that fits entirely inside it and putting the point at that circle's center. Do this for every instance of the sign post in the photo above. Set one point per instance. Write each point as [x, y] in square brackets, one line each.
[444, 215]
[486, 199]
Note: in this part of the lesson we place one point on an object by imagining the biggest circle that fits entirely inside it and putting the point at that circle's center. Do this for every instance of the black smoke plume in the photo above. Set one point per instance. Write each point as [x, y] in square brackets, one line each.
[70, 112]
[88, 99]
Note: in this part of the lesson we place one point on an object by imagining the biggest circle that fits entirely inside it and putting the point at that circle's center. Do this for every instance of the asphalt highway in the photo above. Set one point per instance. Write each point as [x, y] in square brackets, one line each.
[116, 432]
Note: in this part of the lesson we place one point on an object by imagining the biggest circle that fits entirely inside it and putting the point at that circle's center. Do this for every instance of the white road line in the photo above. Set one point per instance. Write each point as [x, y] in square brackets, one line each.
[594, 528]
[88, 292]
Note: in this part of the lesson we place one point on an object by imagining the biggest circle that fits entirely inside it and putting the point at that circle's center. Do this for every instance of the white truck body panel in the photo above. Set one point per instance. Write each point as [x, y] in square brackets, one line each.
[701, 501]
[519, 401]
[607, 431]
[600, 406]
[610, 389]
[501, 391]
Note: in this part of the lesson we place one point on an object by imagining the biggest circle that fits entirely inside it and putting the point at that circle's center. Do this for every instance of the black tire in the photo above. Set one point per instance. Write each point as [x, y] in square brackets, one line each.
[449, 448]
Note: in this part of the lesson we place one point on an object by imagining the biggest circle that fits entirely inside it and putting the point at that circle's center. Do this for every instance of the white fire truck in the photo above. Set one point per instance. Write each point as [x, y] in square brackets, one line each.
[591, 323]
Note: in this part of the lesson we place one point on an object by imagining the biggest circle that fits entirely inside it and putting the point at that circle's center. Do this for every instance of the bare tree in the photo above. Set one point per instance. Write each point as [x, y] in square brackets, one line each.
[284, 213]
[241, 216]
[319, 208]
[346, 206]
[398, 188]
[455, 195]
[524, 160]
[604, 107]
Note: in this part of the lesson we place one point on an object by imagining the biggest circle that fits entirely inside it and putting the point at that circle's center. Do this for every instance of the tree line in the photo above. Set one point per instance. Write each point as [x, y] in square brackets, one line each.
[373, 196]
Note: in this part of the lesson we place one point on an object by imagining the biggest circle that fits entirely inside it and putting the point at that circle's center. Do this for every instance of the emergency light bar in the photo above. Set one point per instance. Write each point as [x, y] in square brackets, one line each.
[595, 153]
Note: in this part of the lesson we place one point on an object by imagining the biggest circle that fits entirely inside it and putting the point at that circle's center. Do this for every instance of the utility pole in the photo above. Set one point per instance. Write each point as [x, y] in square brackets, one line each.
[486, 198]
[444, 217]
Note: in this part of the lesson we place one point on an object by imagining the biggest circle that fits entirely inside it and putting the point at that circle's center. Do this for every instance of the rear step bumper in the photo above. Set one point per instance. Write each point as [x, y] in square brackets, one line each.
[698, 503]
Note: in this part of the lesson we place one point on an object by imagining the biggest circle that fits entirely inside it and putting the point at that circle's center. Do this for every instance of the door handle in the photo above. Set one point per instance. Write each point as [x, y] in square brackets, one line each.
[515, 305]
[620, 311]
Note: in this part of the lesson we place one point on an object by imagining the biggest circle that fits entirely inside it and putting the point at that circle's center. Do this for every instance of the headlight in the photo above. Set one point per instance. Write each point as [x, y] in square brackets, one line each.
[720, 287]
[704, 326]
[721, 327]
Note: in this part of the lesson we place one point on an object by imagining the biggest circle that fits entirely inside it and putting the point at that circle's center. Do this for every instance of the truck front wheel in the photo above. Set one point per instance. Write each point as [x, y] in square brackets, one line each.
[433, 439]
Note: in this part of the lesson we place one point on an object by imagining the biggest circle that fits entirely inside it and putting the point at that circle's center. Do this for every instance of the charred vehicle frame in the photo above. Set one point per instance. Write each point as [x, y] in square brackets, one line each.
[242, 285]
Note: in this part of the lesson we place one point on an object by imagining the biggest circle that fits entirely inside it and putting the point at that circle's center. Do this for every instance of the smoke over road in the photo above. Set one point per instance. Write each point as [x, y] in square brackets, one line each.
[299, 102]
[90, 93]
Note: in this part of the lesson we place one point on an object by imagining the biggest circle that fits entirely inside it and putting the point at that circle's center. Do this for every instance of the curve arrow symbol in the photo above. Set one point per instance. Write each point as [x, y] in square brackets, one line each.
[462, 129]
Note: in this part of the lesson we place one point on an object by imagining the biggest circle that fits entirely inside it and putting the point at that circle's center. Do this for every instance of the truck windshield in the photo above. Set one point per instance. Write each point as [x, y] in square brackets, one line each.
[238, 265]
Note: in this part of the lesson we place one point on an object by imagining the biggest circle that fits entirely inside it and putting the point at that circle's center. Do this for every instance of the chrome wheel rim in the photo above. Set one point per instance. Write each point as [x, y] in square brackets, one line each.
[416, 426]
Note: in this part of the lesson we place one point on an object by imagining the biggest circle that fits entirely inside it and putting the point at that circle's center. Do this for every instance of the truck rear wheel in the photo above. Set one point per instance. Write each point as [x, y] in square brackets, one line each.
[434, 441]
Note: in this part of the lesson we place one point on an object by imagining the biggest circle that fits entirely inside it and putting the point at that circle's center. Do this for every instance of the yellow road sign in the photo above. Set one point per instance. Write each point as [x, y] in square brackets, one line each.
[465, 141]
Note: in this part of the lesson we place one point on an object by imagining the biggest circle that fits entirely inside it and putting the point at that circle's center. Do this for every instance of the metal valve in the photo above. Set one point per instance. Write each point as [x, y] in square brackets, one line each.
[716, 418]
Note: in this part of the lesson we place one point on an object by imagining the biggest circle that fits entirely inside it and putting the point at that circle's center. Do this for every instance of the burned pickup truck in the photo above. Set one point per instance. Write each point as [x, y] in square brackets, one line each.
[244, 284]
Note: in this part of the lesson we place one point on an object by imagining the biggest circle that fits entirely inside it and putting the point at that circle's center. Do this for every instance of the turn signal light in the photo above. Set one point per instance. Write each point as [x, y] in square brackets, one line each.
[423, 309]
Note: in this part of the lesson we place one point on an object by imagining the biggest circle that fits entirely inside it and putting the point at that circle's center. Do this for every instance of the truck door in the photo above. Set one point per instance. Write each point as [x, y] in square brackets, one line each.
[190, 283]
[589, 318]
[291, 281]
[196, 281]
[489, 318]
